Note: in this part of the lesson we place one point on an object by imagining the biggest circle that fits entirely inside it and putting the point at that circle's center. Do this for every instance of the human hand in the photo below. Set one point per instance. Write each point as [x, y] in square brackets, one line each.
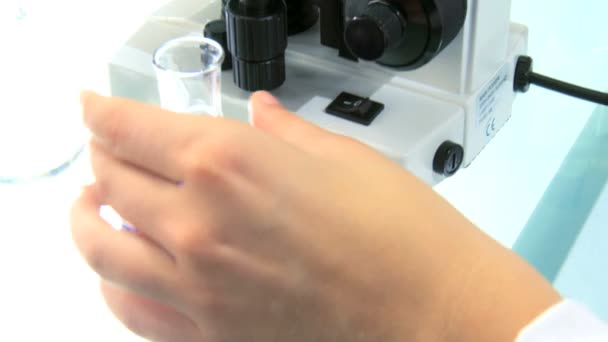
[282, 232]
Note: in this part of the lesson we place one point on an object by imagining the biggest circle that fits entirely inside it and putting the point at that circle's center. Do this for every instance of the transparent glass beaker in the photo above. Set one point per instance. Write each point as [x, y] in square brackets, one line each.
[188, 71]
[41, 131]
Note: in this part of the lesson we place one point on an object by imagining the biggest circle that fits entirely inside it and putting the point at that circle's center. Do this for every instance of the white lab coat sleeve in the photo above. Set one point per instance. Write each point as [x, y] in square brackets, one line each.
[567, 321]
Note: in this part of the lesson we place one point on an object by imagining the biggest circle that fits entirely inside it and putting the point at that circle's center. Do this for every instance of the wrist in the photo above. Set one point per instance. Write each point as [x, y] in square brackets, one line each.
[471, 288]
[498, 297]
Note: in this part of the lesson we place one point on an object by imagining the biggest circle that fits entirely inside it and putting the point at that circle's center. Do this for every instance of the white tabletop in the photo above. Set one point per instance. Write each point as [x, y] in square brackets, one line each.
[48, 294]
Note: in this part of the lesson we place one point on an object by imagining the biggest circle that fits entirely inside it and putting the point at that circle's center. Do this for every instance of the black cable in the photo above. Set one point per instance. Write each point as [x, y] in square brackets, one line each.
[524, 76]
[569, 89]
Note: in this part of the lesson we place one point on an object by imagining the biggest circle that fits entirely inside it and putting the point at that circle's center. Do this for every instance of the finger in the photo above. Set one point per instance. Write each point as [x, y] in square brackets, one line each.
[140, 197]
[142, 134]
[267, 114]
[148, 318]
[118, 256]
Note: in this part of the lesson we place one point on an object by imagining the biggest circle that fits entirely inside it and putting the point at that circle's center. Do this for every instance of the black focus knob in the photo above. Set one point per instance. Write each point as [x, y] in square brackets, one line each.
[448, 159]
[380, 27]
[257, 39]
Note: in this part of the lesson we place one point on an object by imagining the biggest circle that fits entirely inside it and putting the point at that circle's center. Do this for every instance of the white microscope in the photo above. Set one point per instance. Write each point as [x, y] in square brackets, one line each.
[426, 82]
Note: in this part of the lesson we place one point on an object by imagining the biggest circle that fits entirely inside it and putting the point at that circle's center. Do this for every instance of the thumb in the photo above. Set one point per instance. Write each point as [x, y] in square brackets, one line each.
[267, 113]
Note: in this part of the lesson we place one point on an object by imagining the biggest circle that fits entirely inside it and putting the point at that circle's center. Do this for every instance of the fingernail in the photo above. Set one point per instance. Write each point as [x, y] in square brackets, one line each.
[86, 186]
[250, 111]
[261, 97]
[84, 95]
[267, 98]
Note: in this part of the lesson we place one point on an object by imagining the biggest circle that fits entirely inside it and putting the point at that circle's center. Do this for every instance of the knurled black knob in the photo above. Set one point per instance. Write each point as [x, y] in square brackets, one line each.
[266, 75]
[380, 27]
[256, 36]
[448, 159]
[257, 39]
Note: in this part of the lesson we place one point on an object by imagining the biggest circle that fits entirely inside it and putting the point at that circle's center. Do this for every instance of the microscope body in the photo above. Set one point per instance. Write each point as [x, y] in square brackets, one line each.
[440, 108]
